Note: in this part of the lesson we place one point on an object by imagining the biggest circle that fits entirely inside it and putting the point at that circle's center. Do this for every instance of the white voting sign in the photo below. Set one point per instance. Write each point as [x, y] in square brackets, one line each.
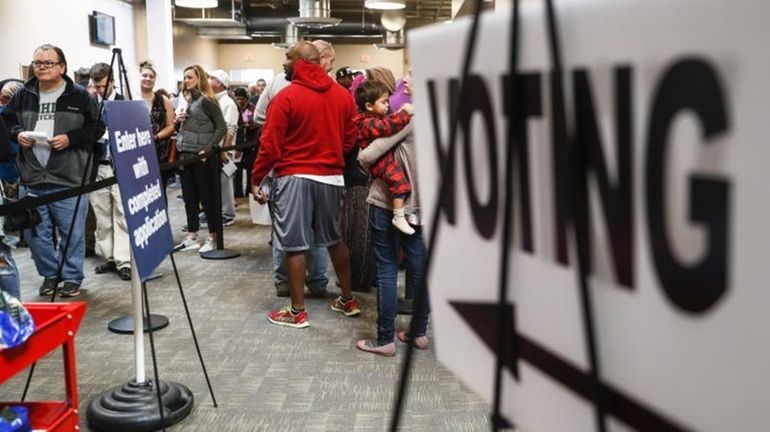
[671, 98]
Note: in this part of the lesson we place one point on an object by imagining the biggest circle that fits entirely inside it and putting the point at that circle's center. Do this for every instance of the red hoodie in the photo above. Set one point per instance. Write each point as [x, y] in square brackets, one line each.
[308, 128]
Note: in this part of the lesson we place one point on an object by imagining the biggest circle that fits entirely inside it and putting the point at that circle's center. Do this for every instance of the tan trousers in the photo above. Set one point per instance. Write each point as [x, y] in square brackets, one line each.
[111, 230]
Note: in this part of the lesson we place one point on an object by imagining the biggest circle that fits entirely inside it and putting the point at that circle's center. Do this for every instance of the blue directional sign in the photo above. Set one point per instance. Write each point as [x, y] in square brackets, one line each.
[136, 166]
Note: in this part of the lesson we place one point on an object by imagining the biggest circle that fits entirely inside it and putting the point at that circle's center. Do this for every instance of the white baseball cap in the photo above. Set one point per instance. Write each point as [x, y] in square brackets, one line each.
[221, 76]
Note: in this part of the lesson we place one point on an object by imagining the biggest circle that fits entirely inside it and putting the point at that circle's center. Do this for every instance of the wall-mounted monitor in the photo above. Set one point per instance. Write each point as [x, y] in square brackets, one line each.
[102, 29]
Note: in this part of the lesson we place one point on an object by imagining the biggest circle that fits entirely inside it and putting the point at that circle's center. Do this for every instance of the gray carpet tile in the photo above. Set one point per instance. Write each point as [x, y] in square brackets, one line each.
[265, 377]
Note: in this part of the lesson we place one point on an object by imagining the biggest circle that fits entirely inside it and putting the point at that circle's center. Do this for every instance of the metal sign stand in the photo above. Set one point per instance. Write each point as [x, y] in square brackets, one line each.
[140, 404]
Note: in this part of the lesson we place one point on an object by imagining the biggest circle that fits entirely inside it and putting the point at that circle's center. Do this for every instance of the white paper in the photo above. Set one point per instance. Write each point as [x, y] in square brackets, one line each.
[181, 107]
[260, 213]
[40, 138]
[229, 168]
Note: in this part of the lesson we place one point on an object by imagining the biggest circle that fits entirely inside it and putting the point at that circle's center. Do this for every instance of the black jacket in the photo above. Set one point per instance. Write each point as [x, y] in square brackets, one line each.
[76, 115]
[6, 153]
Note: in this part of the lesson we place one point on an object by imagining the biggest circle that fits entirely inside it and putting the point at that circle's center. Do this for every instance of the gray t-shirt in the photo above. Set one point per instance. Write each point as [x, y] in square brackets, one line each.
[46, 116]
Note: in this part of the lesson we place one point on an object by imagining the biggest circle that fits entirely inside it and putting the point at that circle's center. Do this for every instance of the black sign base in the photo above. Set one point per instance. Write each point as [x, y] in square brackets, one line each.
[125, 324]
[220, 254]
[133, 407]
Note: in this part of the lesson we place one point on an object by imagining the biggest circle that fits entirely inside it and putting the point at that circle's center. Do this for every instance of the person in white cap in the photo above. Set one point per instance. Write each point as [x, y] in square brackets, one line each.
[220, 81]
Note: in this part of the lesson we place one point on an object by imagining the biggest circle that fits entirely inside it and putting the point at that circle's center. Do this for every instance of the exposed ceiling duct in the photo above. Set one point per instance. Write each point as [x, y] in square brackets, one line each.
[393, 22]
[393, 40]
[273, 25]
[314, 14]
[231, 33]
[291, 35]
[265, 20]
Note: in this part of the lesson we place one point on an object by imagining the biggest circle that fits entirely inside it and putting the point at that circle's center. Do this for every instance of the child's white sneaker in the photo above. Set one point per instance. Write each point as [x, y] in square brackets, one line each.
[402, 225]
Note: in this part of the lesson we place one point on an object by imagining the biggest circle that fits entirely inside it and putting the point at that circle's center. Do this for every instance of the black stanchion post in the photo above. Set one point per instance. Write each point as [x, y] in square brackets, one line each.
[192, 330]
[579, 208]
[220, 253]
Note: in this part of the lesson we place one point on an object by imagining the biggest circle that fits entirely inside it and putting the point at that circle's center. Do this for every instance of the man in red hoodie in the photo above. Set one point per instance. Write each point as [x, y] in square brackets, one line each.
[308, 128]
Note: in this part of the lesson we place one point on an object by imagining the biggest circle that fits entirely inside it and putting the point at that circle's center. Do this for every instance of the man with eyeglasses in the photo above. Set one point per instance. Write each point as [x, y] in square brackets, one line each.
[55, 122]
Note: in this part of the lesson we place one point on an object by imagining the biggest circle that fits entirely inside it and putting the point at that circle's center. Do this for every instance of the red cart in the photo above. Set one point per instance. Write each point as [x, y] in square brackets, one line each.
[56, 325]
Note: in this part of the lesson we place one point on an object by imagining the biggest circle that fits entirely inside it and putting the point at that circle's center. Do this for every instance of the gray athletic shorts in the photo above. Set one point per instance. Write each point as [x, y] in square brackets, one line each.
[306, 213]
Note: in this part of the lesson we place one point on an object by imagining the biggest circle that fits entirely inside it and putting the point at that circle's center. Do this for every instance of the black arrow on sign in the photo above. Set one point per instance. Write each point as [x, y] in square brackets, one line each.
[483, 319]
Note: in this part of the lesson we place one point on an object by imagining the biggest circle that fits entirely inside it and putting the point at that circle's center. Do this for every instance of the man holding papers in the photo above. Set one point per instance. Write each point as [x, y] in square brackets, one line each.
[50, 104]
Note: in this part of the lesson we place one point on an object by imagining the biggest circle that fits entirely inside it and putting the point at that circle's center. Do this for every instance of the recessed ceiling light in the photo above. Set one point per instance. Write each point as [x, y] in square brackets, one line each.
[385, 4]
[196, 4]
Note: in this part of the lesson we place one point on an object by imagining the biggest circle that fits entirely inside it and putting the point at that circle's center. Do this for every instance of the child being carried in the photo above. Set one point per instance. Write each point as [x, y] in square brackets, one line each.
[374, 122]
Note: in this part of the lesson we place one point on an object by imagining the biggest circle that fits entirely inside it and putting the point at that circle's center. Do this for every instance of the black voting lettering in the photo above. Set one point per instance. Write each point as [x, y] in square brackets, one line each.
[446, 158]
[483, 319]
[529, 105]
[617, 201]
[562, 168]
[687, 85]
[484, 215]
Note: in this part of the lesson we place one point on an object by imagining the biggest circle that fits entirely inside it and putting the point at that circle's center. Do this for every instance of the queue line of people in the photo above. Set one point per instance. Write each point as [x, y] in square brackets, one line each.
[305, 123]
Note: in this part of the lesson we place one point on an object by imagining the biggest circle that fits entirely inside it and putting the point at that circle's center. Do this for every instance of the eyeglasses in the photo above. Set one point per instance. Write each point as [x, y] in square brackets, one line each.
[47, 64]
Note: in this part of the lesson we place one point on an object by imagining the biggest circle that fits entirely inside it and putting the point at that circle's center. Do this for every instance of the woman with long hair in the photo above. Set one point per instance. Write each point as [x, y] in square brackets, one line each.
[201, 128]
[161, 116]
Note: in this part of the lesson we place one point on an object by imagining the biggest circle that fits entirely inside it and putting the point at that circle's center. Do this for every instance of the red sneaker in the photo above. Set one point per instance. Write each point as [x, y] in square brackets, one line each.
[284, 317]
[349, 308]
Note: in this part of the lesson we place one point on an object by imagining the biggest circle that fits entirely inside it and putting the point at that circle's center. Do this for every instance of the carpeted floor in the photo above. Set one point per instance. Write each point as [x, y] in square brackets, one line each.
[265, 377]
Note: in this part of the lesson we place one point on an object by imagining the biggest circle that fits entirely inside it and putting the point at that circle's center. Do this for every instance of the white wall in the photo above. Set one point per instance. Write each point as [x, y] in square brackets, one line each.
[31, 23]
[189, 49]
[140, 36]
[249, 56]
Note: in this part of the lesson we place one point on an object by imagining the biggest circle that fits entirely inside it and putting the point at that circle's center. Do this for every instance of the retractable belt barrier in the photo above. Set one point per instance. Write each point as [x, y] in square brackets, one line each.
[32, 202]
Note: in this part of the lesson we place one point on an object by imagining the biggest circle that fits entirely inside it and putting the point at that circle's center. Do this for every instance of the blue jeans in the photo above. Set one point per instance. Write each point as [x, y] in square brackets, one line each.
[9, 273]
[58, 215]
[388, 242]
[316, 263]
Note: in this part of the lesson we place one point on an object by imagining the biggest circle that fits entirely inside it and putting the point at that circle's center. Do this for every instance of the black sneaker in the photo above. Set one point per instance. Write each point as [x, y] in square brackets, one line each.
[125, 273]
[48, 287]
[107, 267]
[70, 289]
